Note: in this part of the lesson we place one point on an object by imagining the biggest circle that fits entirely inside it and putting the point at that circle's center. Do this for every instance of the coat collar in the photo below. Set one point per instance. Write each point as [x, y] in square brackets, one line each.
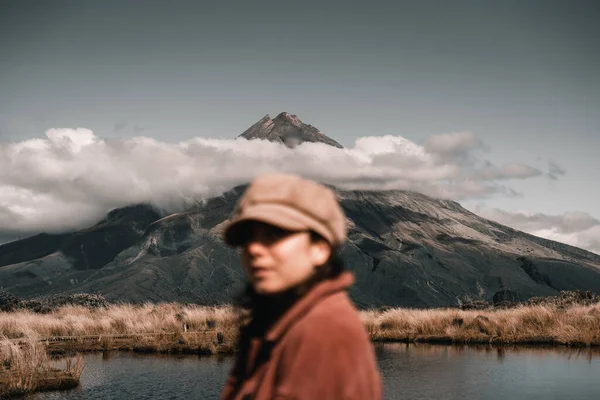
[307, 302]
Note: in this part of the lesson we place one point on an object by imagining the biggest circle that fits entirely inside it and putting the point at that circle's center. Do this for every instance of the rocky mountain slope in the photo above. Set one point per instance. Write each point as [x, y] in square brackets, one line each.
[406, 249]
[287, 129]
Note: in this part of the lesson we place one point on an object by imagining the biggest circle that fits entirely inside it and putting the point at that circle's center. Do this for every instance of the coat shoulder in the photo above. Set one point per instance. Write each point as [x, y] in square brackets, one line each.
[333, 318]
[327, 354]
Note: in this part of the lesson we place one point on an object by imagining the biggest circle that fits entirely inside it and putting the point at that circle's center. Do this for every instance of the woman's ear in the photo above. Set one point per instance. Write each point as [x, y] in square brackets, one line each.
[320, 251]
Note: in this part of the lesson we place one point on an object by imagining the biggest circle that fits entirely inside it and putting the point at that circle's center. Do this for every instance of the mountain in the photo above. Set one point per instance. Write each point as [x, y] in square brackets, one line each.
[406, 249]
[46, 263]
[287, 129]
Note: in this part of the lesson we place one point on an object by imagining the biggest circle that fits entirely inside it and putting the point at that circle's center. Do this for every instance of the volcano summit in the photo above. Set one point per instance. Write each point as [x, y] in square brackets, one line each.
[288, 129]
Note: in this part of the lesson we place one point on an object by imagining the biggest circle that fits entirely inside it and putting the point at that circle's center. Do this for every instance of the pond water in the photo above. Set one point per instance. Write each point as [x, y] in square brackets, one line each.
[409, 372]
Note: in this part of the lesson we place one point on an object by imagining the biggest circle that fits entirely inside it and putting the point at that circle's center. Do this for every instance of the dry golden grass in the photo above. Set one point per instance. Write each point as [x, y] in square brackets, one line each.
[180, 328]
[118, 319]
[578, 325]
[157, 327]
[26, 367]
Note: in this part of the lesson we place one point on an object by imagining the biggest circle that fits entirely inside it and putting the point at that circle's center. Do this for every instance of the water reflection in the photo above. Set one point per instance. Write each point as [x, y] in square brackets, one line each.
[132, 376]
[422, 371]
[575, 353]
[410, 371]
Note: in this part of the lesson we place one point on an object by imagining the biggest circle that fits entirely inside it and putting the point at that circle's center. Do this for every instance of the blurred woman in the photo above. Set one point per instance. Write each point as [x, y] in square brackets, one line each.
[303, 339]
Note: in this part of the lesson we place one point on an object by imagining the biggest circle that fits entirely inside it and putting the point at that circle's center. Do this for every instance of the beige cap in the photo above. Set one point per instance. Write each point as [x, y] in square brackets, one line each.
[292, 203]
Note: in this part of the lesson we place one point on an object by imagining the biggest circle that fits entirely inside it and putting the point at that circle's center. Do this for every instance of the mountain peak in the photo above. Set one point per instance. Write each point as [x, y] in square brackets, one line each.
[288, 129]
[287, 118]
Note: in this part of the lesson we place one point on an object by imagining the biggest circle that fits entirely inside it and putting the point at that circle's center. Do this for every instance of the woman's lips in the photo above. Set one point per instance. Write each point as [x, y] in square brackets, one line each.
[259, 271]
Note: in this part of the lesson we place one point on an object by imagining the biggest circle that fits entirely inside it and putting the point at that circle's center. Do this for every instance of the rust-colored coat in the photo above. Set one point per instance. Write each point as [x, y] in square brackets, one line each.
[317, 350]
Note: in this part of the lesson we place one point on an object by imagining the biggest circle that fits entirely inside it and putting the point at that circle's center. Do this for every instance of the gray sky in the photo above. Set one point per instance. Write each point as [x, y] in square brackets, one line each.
[520, 76]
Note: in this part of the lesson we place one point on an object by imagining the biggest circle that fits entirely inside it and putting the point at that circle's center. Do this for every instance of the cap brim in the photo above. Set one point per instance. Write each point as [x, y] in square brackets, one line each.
[274, 214]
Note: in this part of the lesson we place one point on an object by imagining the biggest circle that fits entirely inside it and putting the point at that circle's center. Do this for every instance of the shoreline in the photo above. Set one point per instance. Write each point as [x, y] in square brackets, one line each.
[44, 382]
[26, 367]
[494, 342]
[28, 339]
[176, 348]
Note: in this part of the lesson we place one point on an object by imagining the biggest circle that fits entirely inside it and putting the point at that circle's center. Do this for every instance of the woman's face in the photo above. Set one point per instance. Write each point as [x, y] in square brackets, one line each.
[276, 259]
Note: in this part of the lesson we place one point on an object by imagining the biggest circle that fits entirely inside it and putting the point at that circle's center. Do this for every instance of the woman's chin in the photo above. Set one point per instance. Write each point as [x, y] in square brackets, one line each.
[266, 287]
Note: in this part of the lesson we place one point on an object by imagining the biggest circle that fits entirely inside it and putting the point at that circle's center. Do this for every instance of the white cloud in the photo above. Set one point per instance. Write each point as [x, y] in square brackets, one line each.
[452, 144]
[588, 239]
[73, 139]
[72, 177]
[574, 228]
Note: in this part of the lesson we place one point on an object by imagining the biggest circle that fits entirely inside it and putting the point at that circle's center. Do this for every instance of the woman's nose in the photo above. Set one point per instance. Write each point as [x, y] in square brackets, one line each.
[255, 247]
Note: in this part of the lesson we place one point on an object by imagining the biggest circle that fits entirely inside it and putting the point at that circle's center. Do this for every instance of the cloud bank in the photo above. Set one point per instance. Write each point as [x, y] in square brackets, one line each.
[574, 228]
[71, 178]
